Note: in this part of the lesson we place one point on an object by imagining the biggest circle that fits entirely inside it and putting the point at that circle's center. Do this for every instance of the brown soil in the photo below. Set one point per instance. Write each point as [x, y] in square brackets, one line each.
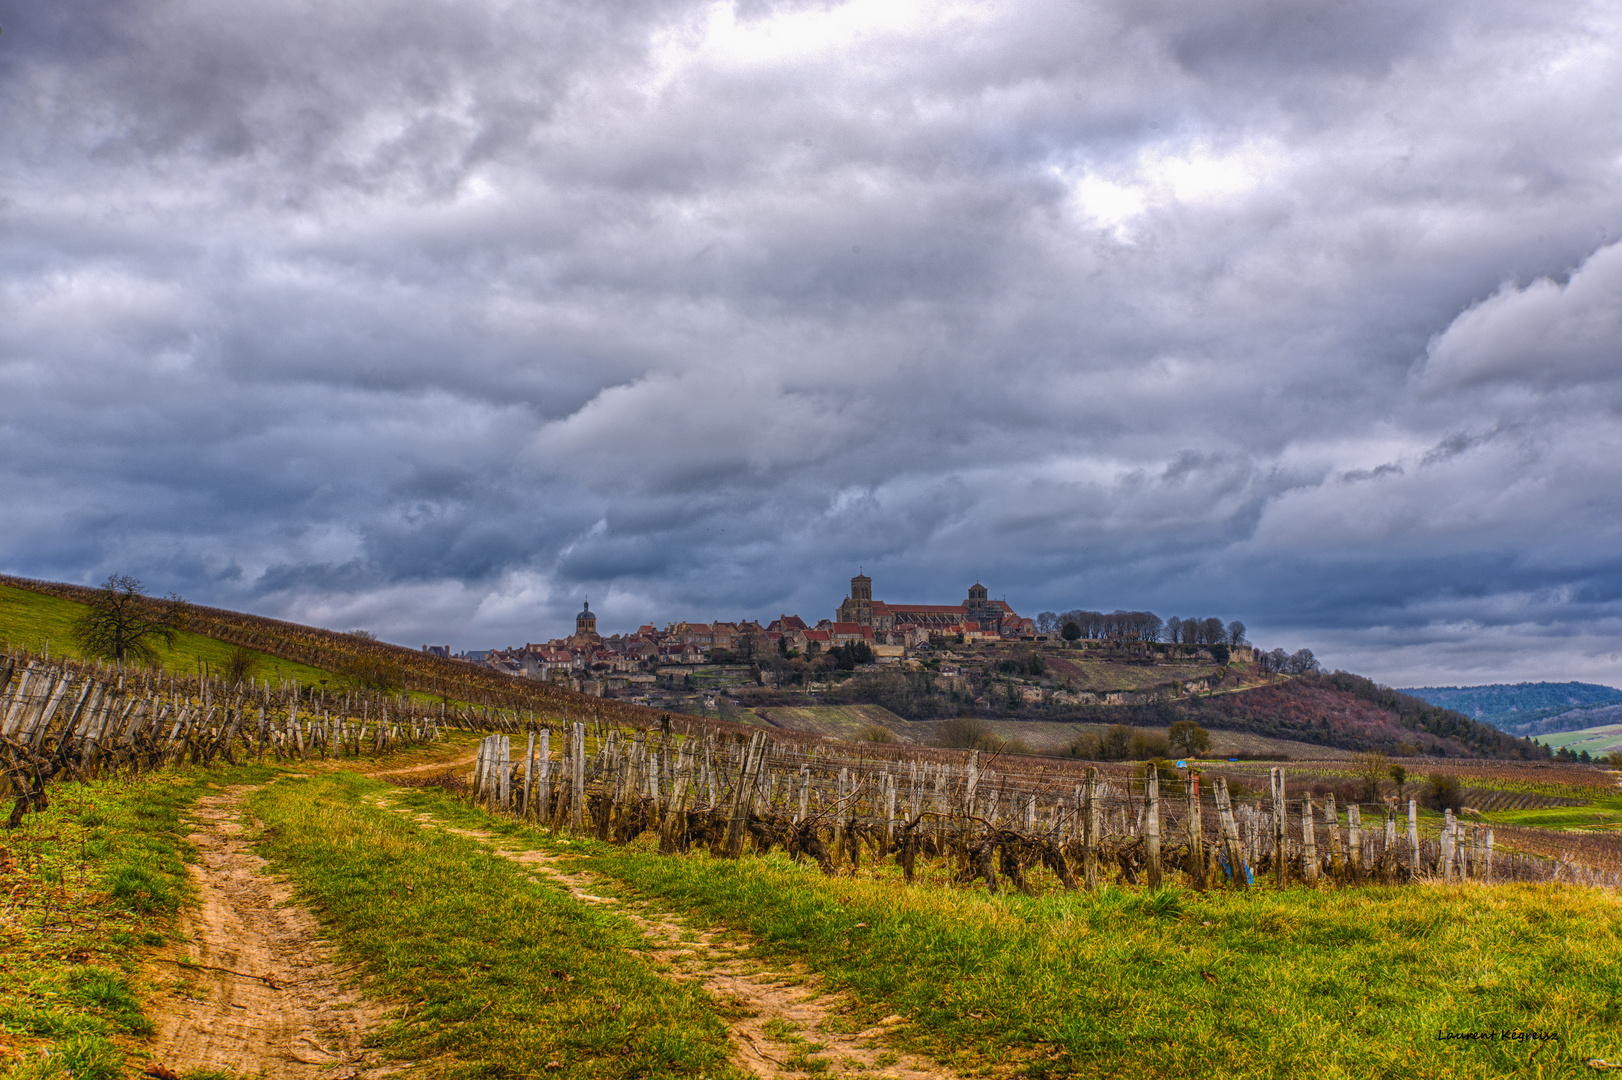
[787, 1001]
[253, 989]
[446, 766]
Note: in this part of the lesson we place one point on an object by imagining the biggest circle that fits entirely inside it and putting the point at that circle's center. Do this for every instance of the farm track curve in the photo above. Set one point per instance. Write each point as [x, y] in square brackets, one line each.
[786, 1015]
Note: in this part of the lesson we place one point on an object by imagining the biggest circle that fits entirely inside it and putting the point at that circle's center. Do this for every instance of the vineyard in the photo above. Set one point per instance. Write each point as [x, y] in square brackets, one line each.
[383, 668]
[64, 721]
[1006, 822]
[1060, 863]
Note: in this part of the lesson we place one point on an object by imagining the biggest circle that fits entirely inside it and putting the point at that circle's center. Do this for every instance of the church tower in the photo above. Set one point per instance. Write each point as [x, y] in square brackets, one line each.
[585, 623]
[858, 608]
[978, 606]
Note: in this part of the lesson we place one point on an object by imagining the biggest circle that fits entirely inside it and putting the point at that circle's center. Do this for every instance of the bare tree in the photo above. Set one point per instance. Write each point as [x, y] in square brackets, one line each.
[122, 623]
[1371, 768]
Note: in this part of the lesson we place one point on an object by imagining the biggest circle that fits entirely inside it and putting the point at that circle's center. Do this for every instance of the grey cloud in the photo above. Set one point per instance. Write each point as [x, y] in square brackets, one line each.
[436, 317]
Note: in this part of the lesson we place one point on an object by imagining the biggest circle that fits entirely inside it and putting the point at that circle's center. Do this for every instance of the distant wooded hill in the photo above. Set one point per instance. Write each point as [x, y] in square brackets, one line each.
[1528, 708]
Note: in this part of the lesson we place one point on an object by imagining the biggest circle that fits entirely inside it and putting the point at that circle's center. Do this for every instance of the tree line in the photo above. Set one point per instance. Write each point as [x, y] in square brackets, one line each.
[1081, 624]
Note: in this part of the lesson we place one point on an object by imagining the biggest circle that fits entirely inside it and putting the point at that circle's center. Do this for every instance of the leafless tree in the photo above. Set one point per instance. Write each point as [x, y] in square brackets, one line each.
[122, 623]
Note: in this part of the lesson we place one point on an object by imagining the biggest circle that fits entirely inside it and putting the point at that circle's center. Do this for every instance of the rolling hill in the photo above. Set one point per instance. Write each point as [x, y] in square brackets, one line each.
[1313, 714]
[1520, 708]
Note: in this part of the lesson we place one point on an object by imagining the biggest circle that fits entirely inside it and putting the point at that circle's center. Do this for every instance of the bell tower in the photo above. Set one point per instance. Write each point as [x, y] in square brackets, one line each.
[977, 604]
[858, 607]
[585, 623]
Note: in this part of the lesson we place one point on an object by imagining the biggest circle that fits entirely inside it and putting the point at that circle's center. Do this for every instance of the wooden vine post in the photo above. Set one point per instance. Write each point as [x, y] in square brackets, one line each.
[1091, 819]
[1413, 837]
[1337, 858]
[1280, 827]
[1238, 872]
[1151, 824]
[1354, 828]
[743, 797]
[1196, 843]
[1309, 844]
[543, 776]
[577, 779]
[675, 818]
[529, 773]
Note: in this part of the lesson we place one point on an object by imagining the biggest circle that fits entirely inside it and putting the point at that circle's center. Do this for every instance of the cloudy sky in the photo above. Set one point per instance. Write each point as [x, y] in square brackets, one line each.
[435, 317]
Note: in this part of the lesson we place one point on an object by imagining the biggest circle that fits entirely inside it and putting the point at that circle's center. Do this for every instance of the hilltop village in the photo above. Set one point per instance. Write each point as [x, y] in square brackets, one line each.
[868, 631]
[694, 666]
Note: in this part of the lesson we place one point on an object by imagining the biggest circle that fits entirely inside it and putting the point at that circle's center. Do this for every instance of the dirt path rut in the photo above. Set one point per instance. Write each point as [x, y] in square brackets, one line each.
[252, 989]
[790, 1029]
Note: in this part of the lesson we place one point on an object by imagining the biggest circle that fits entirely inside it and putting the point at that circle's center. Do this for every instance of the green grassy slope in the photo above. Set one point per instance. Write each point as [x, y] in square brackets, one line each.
[1460, 981]
[1598, 741]
[32, 620]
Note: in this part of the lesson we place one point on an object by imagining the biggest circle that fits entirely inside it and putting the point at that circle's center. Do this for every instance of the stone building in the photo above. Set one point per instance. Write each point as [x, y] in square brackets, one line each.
[977, 612]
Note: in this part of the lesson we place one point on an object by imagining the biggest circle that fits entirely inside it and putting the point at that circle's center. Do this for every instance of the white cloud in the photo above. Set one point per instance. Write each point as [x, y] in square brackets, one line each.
[1545, 335]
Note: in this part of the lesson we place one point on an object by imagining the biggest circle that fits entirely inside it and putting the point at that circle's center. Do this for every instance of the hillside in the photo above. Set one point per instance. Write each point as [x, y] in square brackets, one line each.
[1086, 683]
[1576, 721]
[35, 610]
[1516, 707]
[1598, 740]
[44, 624]
[1339, 711]
[1152, 687]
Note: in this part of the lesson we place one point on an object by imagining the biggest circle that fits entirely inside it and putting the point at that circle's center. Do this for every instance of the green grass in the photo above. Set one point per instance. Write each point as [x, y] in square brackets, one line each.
[86, 887]
[1350, 983]
[31, 620]
[1598, 741]
[498, 975]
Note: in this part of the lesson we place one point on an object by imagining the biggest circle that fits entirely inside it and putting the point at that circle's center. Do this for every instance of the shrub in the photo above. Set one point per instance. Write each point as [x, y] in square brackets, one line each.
[876, 733]
[239, 664]
[1442, 792]
[966, 733]
[1149, 744]
[1084, 746]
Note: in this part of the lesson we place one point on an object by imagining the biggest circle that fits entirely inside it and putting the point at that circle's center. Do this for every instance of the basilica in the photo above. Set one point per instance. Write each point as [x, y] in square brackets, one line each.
[976, 614]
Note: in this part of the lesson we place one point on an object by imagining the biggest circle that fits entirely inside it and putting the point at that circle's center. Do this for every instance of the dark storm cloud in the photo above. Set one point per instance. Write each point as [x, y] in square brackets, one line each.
[435, 317]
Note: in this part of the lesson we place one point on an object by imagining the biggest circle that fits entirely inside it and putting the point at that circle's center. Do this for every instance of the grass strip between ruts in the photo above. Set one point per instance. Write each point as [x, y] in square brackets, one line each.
[497, 975]
[1467, 981]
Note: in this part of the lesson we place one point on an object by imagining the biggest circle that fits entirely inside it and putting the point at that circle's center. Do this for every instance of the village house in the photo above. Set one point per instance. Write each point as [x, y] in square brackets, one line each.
[891, 629]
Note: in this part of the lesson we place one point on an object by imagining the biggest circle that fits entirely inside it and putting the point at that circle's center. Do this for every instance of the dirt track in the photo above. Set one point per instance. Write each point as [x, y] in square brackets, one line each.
[787, 1018]
[252, 989]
